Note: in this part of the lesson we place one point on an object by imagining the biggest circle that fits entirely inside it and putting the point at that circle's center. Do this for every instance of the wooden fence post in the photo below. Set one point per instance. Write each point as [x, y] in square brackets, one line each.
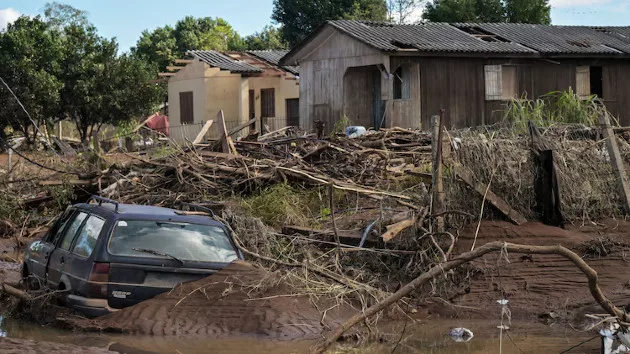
[438, 185]
[617, 162]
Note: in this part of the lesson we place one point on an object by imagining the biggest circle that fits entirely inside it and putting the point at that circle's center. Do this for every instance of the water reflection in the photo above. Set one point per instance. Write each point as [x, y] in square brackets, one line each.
[2, 332]
[427, 336]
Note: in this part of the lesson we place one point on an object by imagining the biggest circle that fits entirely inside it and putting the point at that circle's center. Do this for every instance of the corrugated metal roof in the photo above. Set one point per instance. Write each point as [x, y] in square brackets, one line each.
[273, 57]
[427, 37]
[549, 39]
[224, 62]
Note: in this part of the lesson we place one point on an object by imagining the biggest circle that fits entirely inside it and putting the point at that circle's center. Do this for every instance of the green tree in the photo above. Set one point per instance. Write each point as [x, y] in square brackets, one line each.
[401, 11]
[450, 11]
[528, 11]
[269, 38]
[298, 18]
[101, 87]
[157, 48]
[489, 11]
[29, 64]
[163, 45]
[61, 15]
[514, 11]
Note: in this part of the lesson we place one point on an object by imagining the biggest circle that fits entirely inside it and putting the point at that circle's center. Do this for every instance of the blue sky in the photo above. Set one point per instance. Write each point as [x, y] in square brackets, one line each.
[125, 20]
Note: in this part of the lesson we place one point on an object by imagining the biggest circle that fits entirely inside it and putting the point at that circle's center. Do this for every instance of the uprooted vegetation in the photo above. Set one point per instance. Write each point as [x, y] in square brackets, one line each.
[301, 206]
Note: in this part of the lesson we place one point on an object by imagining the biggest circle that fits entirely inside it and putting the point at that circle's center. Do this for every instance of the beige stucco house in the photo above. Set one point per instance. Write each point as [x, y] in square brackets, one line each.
[243, 85]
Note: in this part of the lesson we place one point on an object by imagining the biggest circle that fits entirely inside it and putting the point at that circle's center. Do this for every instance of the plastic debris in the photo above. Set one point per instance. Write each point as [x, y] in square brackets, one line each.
[355, 131]
[460, 334]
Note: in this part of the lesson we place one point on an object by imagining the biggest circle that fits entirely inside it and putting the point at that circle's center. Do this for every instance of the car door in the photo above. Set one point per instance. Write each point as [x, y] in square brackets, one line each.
[59, 255]
[39, 251]
[78, 263]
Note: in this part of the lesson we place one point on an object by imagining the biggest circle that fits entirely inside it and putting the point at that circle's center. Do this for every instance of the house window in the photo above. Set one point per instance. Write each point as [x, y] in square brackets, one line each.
[268, 103]
[186, 107]
[501, 84]
[402, 83]
[589, 81]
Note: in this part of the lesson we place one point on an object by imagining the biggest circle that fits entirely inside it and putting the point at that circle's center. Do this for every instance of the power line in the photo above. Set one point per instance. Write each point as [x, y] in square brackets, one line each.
[34, 126]
[34, 162]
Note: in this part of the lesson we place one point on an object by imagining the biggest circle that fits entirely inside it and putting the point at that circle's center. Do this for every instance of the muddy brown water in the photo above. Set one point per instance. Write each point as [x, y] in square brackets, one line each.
[427, 336]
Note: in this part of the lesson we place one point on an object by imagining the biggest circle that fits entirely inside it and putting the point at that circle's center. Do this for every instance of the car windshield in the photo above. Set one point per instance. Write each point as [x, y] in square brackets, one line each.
[176, 240]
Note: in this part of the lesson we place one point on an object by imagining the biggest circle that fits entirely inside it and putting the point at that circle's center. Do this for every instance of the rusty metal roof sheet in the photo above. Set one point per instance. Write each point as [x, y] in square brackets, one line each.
[273, 57]
[224, 62]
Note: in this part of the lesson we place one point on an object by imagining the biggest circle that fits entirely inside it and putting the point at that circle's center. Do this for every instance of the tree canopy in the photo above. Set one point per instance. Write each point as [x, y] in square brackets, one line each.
[298, 18]
[163, 45]
[60, 68]
[515, 11]
[269, 38]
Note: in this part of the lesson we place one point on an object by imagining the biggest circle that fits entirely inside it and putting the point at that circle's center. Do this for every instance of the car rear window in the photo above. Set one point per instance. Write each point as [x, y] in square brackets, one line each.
[189, 242]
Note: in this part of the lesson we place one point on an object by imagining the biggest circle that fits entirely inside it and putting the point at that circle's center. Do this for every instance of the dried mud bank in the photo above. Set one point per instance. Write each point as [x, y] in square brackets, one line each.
[542, 286]
[239, 300]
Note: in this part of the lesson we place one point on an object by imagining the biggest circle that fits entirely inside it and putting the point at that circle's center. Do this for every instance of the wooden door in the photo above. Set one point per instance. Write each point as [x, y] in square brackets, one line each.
[252, 104]
[293, 112]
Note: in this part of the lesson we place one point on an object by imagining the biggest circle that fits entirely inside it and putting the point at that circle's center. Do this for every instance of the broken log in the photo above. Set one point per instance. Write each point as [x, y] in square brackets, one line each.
[347, 237]
[395, 229]
[464, 258]
[467, 176]
[9, 290]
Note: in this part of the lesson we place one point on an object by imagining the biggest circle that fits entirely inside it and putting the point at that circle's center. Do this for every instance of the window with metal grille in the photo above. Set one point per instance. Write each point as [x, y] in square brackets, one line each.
[268, 103]
[186, 107]
[402, 83]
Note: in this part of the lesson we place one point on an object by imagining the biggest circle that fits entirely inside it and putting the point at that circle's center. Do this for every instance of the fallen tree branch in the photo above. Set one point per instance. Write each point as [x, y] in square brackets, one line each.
[589, 272]
[15, 292]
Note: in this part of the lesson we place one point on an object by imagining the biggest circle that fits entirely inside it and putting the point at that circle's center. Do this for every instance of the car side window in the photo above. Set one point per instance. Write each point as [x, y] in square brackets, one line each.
[86, 241]
[57, 230]
[72, 230]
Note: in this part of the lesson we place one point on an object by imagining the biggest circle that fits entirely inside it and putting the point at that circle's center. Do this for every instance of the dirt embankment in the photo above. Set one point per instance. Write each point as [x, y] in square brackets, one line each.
[541, 284]
[239, 300]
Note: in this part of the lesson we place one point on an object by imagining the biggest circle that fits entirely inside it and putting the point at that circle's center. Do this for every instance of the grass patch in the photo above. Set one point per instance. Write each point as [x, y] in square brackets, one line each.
[555, 107]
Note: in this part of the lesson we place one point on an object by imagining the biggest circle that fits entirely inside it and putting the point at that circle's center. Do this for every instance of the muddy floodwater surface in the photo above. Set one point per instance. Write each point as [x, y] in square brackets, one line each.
[426, 336]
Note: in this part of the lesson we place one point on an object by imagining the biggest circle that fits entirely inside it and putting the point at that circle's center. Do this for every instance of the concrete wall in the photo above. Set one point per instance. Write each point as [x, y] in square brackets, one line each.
[214, 90]
[190, 78]
[284, 89]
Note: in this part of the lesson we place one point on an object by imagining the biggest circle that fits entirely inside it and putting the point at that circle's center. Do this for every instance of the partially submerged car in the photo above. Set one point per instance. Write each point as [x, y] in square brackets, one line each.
[108, 256]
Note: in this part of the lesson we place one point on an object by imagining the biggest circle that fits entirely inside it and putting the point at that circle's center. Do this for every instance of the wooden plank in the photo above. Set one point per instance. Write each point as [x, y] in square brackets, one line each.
[348, 237]
[74, 182]
[222, 132]
[174, 68]
[467, 176]
[438, 196]
[241, 127]
[166, 74]
[617, 162]
[183, 61]
[203, 132]
[227, 145]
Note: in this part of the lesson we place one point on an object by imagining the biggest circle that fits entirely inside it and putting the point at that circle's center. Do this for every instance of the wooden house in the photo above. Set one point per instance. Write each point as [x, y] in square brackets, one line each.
[244, 85]
[382, 74]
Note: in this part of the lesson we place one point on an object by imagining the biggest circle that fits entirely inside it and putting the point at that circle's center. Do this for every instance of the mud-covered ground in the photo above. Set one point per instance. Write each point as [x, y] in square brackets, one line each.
[538, 287]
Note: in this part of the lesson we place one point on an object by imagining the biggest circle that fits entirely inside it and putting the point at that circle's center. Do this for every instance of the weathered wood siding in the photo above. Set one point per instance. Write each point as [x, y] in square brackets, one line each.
[322, 72]
[458, 86]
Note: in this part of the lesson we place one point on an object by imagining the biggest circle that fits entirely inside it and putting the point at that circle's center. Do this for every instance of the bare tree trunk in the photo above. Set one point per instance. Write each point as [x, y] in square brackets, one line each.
[590, 273]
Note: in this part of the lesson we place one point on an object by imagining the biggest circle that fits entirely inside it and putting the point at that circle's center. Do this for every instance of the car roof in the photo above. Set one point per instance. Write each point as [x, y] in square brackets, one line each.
[146, 212]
